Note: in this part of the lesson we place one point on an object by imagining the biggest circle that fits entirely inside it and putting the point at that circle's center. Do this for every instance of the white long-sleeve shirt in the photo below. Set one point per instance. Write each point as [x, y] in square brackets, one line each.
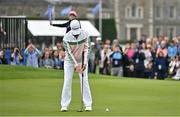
[75, 47]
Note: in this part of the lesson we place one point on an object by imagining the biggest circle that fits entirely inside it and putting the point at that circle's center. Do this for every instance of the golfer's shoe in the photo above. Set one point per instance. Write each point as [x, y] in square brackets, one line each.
[64, 109]
[88, 109]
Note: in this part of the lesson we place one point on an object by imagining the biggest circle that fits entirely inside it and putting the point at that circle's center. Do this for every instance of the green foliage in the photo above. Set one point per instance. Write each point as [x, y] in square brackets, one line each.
[108, 28]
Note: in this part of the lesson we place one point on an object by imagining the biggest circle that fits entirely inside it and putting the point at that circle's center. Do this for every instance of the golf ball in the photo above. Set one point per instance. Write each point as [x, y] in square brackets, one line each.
[107, 109]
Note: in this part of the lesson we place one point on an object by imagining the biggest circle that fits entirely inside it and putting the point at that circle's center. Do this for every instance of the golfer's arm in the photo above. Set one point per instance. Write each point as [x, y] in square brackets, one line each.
[67, 47]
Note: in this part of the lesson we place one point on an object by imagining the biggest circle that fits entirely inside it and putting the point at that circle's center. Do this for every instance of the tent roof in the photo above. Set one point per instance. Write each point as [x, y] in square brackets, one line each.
[43, 28]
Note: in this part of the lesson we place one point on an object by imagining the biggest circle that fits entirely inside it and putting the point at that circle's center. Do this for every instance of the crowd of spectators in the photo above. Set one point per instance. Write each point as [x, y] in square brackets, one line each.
[34, 57]
[152, 58]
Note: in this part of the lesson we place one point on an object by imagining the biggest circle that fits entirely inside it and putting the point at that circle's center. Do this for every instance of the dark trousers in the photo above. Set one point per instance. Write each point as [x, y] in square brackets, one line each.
[139, 73]
[161, 74]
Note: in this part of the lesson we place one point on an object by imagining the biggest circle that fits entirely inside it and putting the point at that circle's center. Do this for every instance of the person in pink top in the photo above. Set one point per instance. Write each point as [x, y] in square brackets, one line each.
[131, 51]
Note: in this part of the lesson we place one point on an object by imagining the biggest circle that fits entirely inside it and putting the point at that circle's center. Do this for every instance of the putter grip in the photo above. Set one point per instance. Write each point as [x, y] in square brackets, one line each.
[82, 59]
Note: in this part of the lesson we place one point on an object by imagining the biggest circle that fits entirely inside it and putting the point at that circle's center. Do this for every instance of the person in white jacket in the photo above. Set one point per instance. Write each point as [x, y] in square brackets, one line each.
[77, 44]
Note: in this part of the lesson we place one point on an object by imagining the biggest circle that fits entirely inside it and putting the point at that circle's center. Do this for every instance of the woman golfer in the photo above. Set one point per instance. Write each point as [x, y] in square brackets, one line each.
[76, 44]
[72, 16]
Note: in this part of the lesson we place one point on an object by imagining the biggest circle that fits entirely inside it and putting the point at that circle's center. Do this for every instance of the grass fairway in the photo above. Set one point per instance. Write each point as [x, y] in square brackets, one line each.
[29, 91]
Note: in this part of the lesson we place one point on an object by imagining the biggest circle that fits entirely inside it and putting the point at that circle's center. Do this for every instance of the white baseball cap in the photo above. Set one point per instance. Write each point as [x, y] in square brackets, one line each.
[75, 27]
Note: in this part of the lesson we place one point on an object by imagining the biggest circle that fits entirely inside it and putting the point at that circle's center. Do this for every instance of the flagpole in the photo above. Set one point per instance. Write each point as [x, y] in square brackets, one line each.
[53, 18]
[100, 18]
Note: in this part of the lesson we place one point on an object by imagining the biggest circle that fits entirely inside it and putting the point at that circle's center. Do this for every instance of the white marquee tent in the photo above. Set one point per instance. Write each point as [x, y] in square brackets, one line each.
[43, 28]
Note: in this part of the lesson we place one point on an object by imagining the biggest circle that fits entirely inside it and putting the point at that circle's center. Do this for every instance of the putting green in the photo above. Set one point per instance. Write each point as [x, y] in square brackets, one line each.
[29, 91]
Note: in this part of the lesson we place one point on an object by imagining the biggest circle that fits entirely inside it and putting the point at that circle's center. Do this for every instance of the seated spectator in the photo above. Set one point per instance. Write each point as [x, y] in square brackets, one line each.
[16, 57]
[56, 60]
[172, 49]
[161, 65]
[117, 62]
[104, 64]
[32, 54]
[46, 61]
[2, 59]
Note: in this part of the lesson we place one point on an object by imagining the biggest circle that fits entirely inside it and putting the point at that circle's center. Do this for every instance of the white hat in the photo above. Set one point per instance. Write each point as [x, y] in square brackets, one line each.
[75, 27]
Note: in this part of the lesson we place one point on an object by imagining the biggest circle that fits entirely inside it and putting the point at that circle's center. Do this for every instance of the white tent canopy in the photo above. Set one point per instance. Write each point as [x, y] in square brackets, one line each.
[43, 28]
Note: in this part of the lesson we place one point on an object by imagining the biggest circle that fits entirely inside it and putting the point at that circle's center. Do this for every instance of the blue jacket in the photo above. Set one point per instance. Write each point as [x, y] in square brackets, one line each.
[7, 55]
[32, 57]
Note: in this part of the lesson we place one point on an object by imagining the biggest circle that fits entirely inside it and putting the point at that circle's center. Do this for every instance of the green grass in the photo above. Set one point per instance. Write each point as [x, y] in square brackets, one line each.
[30, 91]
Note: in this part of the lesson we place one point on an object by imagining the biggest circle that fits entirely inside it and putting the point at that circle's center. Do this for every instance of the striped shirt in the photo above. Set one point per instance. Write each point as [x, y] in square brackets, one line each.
[75, 47]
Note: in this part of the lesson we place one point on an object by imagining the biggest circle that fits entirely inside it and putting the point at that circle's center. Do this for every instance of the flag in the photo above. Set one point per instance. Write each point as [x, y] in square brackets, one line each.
[96, 9]
[50, 12]
[65, 11]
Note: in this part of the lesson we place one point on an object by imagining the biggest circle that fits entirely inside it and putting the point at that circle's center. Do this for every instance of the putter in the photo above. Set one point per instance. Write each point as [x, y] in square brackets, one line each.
[82, 75]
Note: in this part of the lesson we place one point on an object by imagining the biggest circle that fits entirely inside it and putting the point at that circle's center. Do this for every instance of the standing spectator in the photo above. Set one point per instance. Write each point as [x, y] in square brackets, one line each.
[128, 67]
[114, 44]
[98, 43]
[92, 59]
[104, 66]
[162, 49]
[59, 46]
[148, 55]
[131, 51]
[24, 57]
[177, 76]
[139, 64]
[161, 64]
[2, 59]
[117, 62]
[174, 65]
[32, 54]
[46, 60]
[98, 49]
[16, 57]
[62, 57]
[149, 72]
[7, 55]
[172, 49]
[56, 60]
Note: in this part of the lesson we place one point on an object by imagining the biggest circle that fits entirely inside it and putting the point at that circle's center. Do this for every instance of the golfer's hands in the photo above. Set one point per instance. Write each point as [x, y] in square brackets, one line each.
[80, 68]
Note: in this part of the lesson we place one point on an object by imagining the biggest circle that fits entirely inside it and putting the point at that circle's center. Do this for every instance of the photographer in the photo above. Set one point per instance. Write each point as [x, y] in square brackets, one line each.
[16, 57]
[32, 54]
